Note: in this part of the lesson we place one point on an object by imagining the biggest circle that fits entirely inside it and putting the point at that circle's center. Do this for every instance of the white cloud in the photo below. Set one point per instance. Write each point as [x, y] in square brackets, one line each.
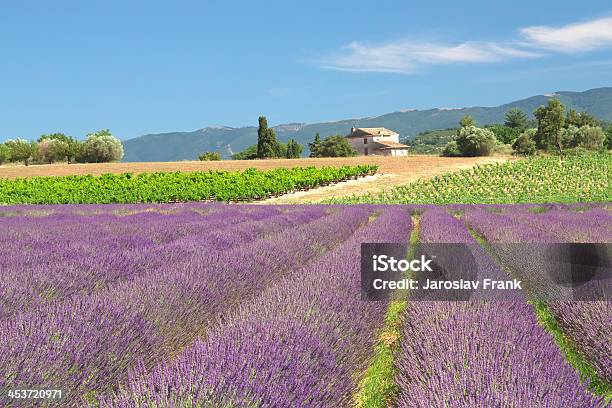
[408, 57]
[584, 36]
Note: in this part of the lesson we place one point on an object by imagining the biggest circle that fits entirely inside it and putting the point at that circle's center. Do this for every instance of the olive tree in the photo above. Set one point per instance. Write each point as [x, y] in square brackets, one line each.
[590, 137]
[52, 150]
[21, 150]
[70, 146]
[5, 154]
[474, 141]
[101, 147]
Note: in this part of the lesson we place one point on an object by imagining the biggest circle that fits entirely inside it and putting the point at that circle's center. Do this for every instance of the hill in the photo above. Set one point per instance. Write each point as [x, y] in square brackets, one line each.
[187, 145]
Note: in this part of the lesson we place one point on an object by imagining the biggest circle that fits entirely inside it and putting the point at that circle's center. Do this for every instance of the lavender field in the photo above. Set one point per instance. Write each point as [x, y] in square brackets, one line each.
[216, 305]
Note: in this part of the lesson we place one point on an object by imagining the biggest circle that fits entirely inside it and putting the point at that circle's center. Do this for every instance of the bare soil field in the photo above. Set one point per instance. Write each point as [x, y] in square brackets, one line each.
[392, 171]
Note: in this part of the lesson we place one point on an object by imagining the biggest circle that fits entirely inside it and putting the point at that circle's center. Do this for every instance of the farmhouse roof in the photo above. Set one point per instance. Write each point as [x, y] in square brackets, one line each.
[376, 131]
[391, 145]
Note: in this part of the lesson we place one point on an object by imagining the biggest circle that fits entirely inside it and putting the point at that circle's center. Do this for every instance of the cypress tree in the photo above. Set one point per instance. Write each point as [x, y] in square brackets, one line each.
[294, 149]
[315, 146]
[266, 140]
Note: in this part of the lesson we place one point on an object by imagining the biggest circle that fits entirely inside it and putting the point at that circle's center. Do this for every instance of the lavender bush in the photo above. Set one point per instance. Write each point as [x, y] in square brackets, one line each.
[479, 353]
[586, 324]
[145, 319]
[233, 305]
[301, 343]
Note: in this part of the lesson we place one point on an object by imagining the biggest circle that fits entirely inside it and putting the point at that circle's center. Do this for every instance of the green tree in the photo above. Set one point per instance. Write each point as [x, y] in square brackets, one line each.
[551, 119]
[210, 156]
[51, 150]
[516, 119]
[101, 147]
[336, 146]
[250, 153]
[467, 121]
[294, 149]
[524, 144]
[474, 141]
[5, 153]
[580, 119]
[280, 150]
[608, 140]
[267, 145]
[315, 146]
[21, 150]
[504, 133]
[71, 147]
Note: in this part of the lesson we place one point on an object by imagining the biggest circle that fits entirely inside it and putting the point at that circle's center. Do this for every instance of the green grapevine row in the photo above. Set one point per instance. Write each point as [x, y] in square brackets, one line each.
[250, 184]
[576, 178]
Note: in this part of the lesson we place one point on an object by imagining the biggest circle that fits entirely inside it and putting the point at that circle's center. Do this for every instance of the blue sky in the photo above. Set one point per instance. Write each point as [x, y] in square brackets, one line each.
[139, 67]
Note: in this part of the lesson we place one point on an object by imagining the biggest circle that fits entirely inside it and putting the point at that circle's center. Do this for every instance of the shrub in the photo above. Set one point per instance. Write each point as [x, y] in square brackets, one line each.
[210, 156]
[524, 144]
[451, 149]
[590, 138]
[473, 141]
[503, 148]
[101, 147]
[569, 136]
[250, 153]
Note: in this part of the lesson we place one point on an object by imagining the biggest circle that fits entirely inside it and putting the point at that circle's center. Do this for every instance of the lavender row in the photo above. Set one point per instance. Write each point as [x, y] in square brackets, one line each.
[437, 226]
[587, 324]
[478, 353]
[593, 225]
[87, 344]
[98, 257]
[303, 342]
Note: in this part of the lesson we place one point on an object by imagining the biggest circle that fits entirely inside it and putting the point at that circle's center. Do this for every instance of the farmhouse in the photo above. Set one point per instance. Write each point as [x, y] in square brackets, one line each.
[378, 141]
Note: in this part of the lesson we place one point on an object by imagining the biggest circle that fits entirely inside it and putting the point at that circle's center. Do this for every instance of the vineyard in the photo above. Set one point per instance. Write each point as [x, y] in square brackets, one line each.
[207, 304]
[250, 184]
[579, 178]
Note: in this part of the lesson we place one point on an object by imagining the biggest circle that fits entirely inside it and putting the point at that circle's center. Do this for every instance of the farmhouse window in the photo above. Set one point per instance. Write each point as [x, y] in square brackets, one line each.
[365, 140]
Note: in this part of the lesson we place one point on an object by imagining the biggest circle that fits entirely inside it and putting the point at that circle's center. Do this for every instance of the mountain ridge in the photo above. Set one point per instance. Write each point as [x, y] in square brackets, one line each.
[172, 146]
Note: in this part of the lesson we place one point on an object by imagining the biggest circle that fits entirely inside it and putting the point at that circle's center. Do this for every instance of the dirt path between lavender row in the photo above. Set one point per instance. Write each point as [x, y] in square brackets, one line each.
[401, 172]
